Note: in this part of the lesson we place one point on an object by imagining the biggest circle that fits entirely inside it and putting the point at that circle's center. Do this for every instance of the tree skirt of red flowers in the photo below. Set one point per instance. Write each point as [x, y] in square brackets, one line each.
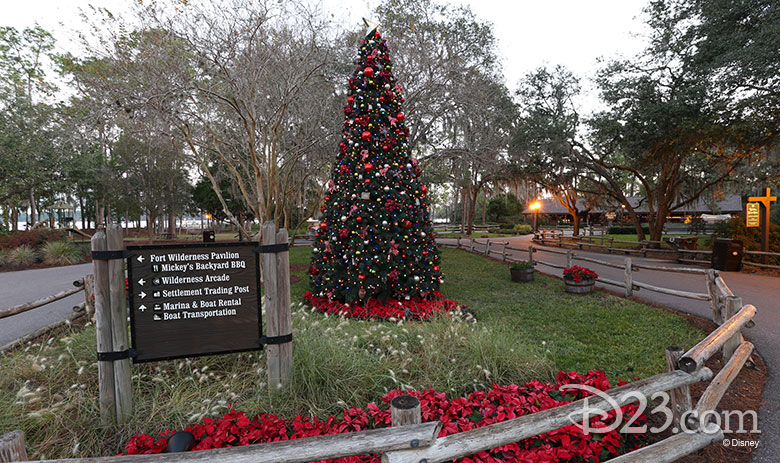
[413, 309]
[480, 408]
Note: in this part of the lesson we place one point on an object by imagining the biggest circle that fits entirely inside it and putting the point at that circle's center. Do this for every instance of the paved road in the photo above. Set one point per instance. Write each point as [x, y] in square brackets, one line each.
[29, 285]
[761, 291]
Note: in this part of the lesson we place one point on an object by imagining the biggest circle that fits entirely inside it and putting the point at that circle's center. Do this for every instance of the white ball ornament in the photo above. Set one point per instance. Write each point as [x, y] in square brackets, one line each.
[416, 278]
[315, 250]
[343, 218]
[422, 233]
[387, 86]
[384, 222]
[387, 188]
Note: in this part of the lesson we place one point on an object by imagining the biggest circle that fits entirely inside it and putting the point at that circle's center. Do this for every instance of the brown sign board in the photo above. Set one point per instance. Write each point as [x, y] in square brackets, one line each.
[753, 215]
[188, 300]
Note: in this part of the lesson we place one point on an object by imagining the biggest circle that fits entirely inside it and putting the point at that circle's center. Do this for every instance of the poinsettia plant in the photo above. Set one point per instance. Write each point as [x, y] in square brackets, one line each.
[477, 409]
[374, 309]
[578, 274]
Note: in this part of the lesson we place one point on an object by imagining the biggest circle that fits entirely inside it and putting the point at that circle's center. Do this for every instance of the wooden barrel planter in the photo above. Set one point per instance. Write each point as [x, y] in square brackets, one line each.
[521, 274]
[583, 287]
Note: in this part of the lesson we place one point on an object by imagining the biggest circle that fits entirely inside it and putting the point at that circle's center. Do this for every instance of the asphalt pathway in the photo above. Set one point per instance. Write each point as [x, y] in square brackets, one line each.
[29, 285]
[761, 291]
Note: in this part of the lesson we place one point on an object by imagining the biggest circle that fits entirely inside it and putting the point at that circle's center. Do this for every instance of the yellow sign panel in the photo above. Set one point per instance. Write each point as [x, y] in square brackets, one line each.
[753, 214]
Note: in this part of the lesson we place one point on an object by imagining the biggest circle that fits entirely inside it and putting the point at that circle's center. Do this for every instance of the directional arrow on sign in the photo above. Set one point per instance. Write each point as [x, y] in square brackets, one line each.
[141, 281]
[140, 259]
[142, 307]
[142, 294]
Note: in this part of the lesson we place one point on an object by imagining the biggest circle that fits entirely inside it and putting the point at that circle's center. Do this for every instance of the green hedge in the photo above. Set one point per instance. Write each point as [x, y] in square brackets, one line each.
[623, 230]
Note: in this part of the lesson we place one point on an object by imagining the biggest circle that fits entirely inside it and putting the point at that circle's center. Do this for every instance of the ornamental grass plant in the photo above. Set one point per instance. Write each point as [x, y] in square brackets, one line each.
[60, 253]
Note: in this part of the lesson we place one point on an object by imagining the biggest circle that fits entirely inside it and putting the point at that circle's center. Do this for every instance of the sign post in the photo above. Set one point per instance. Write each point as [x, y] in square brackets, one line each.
[767, 201]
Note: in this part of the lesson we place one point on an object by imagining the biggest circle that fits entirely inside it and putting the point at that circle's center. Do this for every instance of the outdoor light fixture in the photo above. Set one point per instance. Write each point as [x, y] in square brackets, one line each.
[535, 206]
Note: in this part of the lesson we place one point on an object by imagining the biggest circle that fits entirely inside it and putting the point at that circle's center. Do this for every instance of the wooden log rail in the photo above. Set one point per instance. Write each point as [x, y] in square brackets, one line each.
[495, 435]
[702, 351]
[296, 450]
[17, 309]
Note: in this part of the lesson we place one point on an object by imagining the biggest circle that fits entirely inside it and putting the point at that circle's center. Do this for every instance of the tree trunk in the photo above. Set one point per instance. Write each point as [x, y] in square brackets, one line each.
[640, 234]
[463, 213]
[171, 224]
[576, 222]
[83, 215]
[14, 219]
[150, 225]
[33, 211]
[484, 211]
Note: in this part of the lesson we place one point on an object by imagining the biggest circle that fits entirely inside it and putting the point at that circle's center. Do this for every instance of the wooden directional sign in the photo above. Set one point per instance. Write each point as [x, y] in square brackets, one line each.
[753, 215]
[188, 300]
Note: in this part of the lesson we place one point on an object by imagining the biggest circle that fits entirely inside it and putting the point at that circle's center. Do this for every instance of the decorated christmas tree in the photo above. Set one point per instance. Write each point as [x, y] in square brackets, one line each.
[375, 254]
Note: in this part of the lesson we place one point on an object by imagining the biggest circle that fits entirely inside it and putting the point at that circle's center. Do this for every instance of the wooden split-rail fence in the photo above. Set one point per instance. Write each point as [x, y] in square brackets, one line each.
[410, 441]
[607, 244]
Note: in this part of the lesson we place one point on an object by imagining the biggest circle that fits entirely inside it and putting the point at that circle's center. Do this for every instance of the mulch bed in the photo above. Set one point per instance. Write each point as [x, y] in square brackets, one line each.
[744, 394]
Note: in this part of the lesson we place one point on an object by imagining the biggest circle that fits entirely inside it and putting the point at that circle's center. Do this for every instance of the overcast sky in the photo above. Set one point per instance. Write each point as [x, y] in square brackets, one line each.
[530, 33]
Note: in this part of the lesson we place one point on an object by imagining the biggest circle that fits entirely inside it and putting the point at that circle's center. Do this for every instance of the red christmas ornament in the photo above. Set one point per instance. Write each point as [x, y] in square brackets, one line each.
[359, 219]
[350, 99]
[406, 224]
[366, 135]
[367, 181]
[382, 99]
[424, 189]
[400, 117]
[368, 72]
[362, 277]
[368, 167]
[385, 147]
[323, 225]
[436, 268]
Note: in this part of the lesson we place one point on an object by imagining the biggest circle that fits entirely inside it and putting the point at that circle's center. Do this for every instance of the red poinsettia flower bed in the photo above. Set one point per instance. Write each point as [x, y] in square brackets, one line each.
[413, 309]
[480, 408]
[578, 273]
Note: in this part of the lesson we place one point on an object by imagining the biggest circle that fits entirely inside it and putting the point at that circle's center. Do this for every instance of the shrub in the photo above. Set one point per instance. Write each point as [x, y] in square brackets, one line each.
[626, 230]
[523, 229]
[750, 237]
[522, 264]
[60, 253]
[31, 238]
[4, 258]
[22, 255]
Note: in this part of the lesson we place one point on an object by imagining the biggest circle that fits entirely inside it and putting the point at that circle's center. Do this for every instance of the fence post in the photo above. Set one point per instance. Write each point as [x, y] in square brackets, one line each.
[732, 306]
[119, 338]
[270, 284]
[503, 251]
[568, 257]
[105, 343]
[283, 314]
[471, 249]
[487, 247]
[12, 447]
[458, 241]
[681, 396]
[89, 292]
[531, 255]
[715, 297]
[628, 278]
[405, 410]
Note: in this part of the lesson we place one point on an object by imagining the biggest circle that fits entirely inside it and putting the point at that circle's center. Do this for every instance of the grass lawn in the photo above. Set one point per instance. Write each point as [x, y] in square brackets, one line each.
[521, 332]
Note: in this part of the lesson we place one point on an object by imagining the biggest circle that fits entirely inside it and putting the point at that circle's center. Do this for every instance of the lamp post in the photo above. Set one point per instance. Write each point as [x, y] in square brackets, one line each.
[535, 206]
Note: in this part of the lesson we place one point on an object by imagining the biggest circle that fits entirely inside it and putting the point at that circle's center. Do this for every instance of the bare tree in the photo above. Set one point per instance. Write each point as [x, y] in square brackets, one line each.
[247, 85]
